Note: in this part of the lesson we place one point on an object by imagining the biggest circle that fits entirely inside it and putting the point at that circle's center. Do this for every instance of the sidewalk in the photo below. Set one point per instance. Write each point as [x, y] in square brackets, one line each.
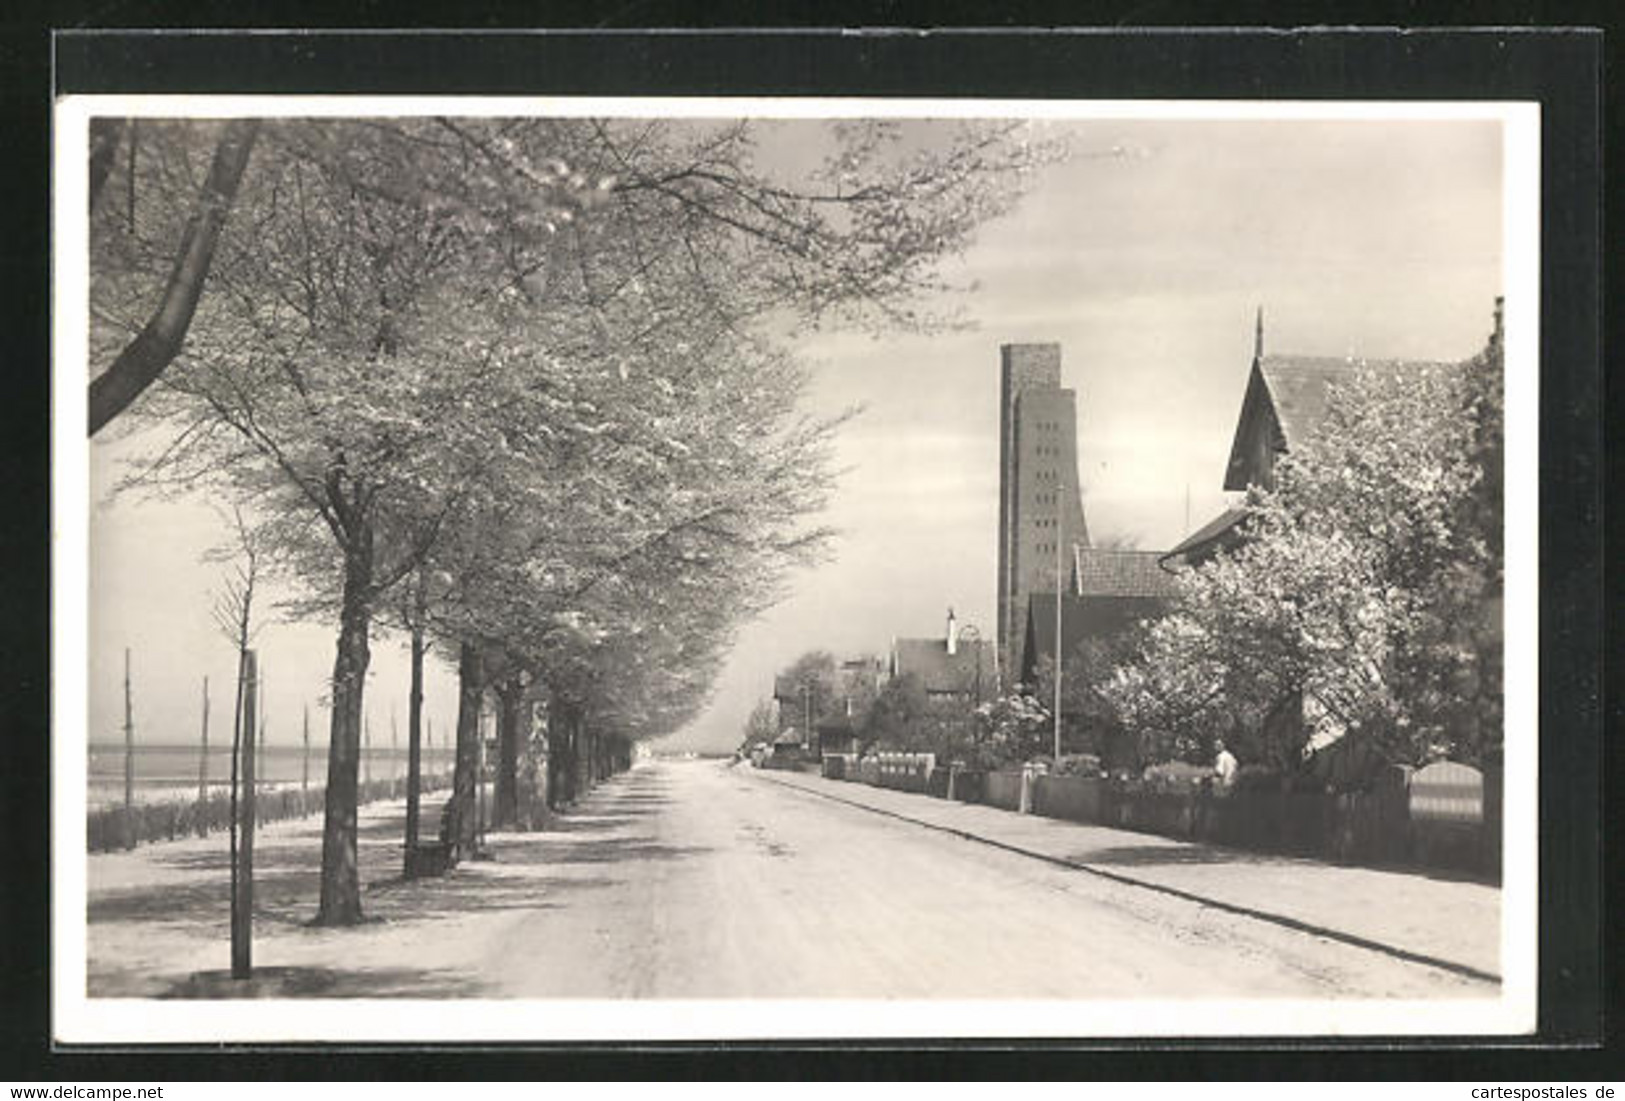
[1453, 922]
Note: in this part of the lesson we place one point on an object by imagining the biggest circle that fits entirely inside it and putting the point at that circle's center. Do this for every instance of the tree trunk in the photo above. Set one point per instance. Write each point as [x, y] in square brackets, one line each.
[564, 723]
[105, 137]
[414, 729]
[558, 724]
[582, 760]
[341, 884]
[505, 801]
[470, 695]
[145, 357]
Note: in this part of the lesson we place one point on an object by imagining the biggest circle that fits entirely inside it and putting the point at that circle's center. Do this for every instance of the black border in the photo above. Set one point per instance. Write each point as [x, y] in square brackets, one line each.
[1562, 70]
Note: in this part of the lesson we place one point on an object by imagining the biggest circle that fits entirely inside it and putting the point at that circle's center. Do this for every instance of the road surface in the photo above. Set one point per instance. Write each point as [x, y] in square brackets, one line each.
[690, 879]
[694, 880]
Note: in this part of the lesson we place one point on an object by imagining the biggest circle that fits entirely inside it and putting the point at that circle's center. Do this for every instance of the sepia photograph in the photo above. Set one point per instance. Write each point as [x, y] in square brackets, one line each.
[573, 569]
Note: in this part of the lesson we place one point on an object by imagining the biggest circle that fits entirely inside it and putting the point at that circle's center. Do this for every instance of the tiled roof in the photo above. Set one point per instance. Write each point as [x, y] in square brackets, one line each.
[1215, 528]
[939, 671]
[1298, 386]
[1102, 572]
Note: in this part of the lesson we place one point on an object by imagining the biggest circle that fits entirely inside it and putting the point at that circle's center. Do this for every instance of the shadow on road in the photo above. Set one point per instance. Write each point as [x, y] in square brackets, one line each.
[596, 845]
[588, 823]
[402, 901]
[608, 850]
[322, 982]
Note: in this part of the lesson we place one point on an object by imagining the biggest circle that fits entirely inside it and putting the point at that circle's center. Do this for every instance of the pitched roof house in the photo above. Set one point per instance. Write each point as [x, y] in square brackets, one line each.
[957, 664]
[1284, 403]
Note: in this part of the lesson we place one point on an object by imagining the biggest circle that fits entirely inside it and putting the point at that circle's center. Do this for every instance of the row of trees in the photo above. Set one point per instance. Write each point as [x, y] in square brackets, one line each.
[517, 387]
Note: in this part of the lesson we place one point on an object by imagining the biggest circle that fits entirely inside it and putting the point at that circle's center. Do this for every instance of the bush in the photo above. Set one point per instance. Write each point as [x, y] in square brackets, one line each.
[1079, 764]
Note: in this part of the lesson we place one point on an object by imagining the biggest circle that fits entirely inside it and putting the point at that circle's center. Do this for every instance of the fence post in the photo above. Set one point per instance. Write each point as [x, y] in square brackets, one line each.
[394, 750]
[304, 767]
[242, 903]
[129, 759]
[366, 755]
[203, 768]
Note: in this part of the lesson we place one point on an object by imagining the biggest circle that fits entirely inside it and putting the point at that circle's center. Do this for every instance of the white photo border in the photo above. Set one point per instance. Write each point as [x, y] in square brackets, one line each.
[78, 1018]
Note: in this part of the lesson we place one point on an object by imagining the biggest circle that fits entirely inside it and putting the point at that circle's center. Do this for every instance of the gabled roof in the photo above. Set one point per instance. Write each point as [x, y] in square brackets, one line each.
[928, 660]
[1294, 389]
[1103, 572]
[1299, 385]
[1215, 529]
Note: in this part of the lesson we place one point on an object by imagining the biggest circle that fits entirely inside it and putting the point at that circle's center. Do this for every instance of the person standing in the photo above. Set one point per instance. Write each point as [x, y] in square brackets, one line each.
[1224, 764]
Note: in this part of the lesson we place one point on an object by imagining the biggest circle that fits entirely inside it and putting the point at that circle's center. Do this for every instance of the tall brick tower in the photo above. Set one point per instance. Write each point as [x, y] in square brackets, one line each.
[1040, 505]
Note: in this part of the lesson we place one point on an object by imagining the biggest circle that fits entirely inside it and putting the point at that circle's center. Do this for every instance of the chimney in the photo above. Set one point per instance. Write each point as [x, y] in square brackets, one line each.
[953, 635]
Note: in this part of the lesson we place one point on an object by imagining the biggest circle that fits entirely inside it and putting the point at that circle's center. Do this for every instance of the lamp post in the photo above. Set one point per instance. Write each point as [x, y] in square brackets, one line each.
[1060, 531]
[807, 711]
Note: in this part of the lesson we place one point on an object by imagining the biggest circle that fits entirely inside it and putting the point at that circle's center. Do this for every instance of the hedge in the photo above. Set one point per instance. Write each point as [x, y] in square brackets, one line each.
[108, 829]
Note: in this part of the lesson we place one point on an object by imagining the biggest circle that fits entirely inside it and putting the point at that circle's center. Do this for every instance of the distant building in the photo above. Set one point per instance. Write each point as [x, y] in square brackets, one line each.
[958, 665]
[1040, 506]
[838, 703]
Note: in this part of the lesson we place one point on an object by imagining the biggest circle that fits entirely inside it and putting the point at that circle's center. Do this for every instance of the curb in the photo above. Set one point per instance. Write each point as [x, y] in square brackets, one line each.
[1283, 920]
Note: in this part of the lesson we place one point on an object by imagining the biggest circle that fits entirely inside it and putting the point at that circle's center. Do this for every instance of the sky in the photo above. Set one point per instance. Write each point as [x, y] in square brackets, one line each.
[1145, 257]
